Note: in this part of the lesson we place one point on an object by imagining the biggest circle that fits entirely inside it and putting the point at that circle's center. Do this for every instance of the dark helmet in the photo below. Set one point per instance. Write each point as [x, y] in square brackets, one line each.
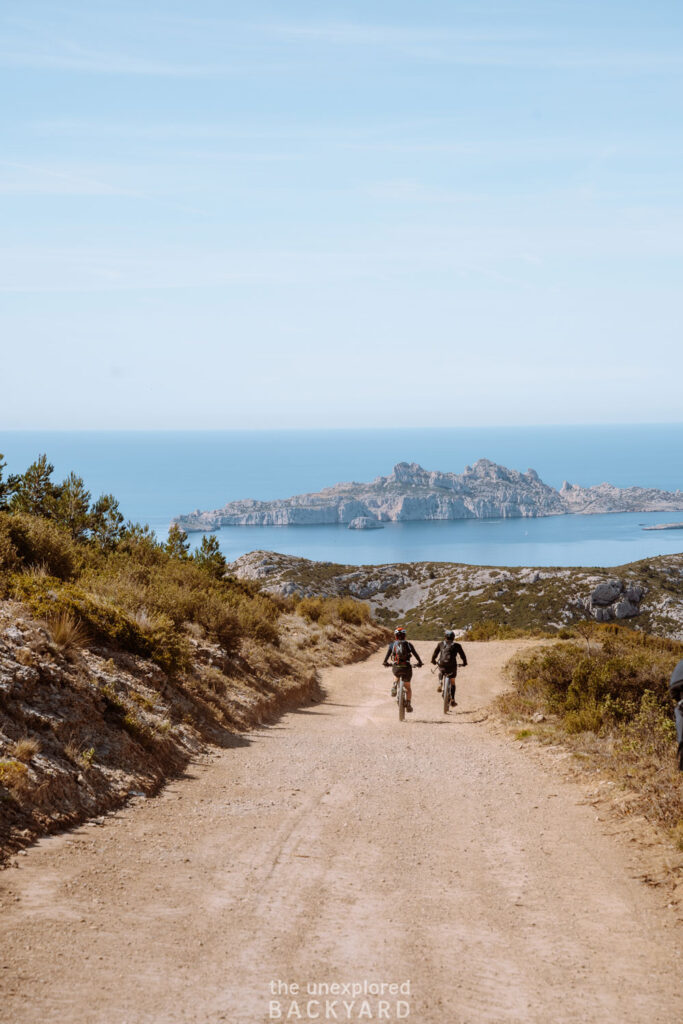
[400, 633]
[676, 681]
[450, 635]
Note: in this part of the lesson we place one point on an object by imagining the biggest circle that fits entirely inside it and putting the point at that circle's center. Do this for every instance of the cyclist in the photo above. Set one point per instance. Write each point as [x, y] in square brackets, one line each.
[446, 657]
[676, 691]
[399, 652]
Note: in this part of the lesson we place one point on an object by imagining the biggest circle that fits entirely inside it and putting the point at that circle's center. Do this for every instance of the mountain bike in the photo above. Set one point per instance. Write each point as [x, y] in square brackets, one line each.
[445, 682]
[446, 691]
[401, 699]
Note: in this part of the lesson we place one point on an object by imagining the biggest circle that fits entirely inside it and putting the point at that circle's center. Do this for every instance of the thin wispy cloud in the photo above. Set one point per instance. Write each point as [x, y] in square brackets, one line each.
[38, 179]
[503, 48]
[232, 48]
[102, 62]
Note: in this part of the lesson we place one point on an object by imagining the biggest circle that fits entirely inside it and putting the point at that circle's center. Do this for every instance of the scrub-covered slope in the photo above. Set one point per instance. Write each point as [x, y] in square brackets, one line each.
[427, 596]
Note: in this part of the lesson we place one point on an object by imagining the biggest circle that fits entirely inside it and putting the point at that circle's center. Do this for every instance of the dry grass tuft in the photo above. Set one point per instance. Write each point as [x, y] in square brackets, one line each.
[37, 571]
[68, 632]
[26, 749]
[14, 777]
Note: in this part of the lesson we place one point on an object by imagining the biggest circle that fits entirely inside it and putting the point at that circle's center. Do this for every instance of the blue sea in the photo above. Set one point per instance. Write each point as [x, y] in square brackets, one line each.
[159, 475]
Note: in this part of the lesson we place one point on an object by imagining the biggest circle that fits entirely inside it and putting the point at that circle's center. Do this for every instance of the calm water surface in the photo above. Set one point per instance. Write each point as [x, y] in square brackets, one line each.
[158, 475]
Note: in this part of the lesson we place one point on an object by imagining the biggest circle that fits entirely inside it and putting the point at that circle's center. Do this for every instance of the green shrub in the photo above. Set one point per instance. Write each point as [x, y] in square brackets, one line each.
[219, 621]
[31, 540]
[353, 612]
[9, 555]
[166, 646]
[604, 688]
[328, 610]
[50, 599]
[311, 608]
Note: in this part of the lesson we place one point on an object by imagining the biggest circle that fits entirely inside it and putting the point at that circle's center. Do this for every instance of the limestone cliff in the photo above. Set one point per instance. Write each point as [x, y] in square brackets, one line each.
[411, 493]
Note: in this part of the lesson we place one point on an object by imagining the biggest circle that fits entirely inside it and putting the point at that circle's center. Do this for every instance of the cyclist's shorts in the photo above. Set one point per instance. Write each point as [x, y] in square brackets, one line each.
[404, 672]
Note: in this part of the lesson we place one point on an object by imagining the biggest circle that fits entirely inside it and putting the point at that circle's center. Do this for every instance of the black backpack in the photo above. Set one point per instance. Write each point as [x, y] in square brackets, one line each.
[401, 652]
[448, 655]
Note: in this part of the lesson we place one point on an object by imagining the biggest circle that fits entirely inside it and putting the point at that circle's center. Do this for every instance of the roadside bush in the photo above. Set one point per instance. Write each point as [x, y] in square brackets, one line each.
[31, 540]
[601, 688]
[14, 778]
[219, 621]
[611, 704]
[310, 608]
[50, 599]
[187, 595]
[328, 610]
[9, 556]
[354, 612]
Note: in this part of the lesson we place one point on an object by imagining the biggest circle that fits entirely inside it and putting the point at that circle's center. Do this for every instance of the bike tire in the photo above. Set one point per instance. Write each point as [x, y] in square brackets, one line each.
[446, 695]
[401, 702]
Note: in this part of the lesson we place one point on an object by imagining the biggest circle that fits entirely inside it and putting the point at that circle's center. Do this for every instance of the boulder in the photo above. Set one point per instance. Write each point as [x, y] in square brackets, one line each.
[625, 609]
[606, 593]
[613, 600]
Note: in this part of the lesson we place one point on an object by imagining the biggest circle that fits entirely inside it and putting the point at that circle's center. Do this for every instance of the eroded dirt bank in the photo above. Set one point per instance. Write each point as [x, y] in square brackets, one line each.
[342, 846]
[83, 730]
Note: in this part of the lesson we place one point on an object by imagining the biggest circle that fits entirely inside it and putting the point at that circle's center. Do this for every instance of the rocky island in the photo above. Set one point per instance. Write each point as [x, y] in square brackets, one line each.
[413, 494]
[365, 523]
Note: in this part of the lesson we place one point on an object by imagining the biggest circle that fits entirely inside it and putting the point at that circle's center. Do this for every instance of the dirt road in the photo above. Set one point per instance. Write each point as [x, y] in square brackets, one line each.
[340, 846]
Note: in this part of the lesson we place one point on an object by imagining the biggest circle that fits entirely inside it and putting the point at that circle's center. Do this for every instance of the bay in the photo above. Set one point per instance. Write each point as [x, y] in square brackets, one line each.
[156, 475]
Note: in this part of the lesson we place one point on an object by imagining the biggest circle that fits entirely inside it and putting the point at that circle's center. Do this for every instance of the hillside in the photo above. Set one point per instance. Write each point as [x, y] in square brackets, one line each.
[121, 656]
[427, 596]
[411, 493]
[85, 727]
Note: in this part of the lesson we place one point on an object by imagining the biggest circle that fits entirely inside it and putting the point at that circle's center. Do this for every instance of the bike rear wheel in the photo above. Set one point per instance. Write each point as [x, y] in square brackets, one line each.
[401, 701]
[446, 695]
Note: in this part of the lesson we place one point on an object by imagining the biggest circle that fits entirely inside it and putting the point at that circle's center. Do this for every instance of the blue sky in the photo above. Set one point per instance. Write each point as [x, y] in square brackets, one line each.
[340, 214]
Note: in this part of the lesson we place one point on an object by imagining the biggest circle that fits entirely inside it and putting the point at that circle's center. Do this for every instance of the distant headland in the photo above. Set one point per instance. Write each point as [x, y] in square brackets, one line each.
[413, 494]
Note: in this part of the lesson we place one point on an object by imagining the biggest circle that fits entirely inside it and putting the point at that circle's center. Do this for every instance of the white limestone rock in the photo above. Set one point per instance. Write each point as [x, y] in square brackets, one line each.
[413, 494]
[365, 523]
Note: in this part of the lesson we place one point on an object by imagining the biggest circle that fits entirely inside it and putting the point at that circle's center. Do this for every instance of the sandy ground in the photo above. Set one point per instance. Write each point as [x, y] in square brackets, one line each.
[340, 846]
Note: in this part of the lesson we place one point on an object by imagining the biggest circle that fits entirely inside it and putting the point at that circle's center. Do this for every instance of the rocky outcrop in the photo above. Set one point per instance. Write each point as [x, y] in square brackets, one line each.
[365, 523]
[606, 498]
[614, 599]
[413, 494]
[427, 596]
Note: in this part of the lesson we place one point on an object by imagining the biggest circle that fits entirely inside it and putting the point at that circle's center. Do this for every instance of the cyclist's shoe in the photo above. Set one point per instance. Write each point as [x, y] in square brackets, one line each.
[409, 706]
[454, 703]
[393, 690]
[438, 688]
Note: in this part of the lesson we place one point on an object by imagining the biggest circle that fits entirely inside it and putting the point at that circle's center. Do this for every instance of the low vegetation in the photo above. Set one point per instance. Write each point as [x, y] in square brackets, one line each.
[120, 655]
[428, 597]
[605, 695]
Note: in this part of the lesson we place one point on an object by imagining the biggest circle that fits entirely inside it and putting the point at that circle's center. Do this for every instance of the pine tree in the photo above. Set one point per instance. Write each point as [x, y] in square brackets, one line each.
[177, 544]
[209, 556]
[71, 509]
[8, 486]
[106, 522]
[34, 491]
